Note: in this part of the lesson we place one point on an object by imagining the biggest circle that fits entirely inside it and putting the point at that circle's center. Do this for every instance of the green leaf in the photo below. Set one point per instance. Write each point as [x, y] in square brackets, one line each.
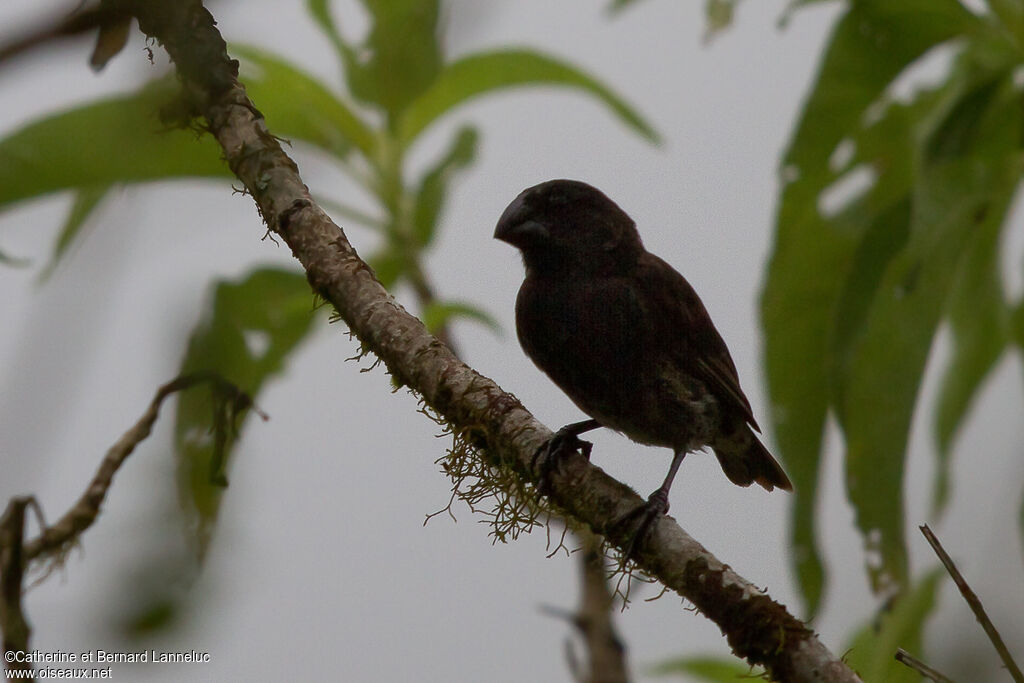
[712, 669]
[871, 44]
[619, 5]
[388, 265]
[480, 73]
[956, 193]
[718, 15]
[440, 312]
[297, 106]
[871, 652]
[248, 333]
[86, 201]
[433, 189]
[72, 150]
[401, 57]
[979, 320]
[13, 261]
[1017, 324]
[1011, 15]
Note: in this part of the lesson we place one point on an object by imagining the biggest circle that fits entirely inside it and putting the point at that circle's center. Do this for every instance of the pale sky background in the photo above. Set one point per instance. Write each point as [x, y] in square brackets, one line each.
[322, 568]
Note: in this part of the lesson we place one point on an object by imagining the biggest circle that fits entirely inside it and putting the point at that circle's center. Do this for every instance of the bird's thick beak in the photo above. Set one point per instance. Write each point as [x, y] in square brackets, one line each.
[516, 228]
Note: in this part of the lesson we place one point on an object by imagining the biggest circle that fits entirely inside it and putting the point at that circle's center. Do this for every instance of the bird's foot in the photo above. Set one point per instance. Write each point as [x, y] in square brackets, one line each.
[654, 509]
[549, 457]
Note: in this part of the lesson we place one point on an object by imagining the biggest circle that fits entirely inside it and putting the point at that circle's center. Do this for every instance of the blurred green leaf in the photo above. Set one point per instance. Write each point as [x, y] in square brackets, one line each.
[872, 43]
[400, 58]
[156, 616]
[250, 329]
[718, 15]
[480, 73]
[298, 106]
[13, 261]
[388, 265]
[1017, 324]
[343, 213]
[73, 149]
[879, 218]
[711, 669]
[619, 5]
[871, 652]
[86, 201]
[967, 172]
[1011, 15]
[433, 189]
[438, 313]
[979, 320]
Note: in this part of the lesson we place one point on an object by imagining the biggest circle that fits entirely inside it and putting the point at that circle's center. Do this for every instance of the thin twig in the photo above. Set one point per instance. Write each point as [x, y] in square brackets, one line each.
[15, 555]
[82, 514]
[975, 604]
[920, 667]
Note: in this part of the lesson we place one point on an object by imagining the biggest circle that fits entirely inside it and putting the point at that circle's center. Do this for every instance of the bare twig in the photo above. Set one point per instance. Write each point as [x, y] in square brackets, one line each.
[15, 555]
[907, 659]
[975, 604]
[57, 537]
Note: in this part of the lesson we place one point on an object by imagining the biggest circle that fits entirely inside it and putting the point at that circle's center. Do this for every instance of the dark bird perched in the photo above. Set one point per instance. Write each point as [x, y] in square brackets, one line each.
[626, 337]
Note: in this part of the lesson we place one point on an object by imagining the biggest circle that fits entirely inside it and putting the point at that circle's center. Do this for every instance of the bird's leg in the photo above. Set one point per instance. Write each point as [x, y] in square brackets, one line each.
[562, 443]
[656, 506]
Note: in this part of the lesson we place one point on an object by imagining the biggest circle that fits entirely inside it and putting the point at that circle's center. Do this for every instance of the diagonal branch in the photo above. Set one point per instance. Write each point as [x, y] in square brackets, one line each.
[757, 628]
[920, 667]
[975, 604]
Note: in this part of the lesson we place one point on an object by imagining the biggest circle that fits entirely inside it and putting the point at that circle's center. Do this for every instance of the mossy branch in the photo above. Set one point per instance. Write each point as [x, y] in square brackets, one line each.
[757, 628]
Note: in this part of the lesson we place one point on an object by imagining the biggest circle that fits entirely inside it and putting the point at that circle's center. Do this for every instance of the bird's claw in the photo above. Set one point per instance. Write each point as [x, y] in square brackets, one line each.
[654, 509]
[550, 456]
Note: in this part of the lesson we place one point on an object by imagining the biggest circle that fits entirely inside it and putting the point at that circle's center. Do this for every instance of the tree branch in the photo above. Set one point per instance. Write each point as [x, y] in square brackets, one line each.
[909, 660]
[757, 628]
[16, 630]
[82, 514]
[15, 554]
[975, 604]
[593, 619]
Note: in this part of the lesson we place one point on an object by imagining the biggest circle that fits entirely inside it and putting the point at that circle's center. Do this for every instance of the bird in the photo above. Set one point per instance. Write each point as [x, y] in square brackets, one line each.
[627, 339]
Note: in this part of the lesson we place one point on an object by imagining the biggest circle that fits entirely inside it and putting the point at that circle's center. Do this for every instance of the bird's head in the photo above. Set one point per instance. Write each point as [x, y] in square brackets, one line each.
[569, 226]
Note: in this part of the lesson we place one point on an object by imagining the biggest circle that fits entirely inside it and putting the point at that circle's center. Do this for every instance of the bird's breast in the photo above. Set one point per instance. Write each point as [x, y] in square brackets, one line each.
[597, 342]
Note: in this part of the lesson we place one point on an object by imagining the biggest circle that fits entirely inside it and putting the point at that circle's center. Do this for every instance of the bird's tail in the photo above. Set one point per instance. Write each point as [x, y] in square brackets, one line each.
[745, 461]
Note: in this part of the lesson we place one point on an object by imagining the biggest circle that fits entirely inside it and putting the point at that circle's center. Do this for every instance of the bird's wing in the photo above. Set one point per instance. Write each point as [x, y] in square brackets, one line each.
[680, 313]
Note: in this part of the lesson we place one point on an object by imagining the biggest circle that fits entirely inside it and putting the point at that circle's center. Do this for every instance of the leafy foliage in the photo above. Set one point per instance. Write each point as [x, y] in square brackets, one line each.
[862, 277]
[247, 333]
[870, 652]
[710, 669]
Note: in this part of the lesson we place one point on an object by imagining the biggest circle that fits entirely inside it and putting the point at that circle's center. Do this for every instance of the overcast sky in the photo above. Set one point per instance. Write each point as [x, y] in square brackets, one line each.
[322, 567]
